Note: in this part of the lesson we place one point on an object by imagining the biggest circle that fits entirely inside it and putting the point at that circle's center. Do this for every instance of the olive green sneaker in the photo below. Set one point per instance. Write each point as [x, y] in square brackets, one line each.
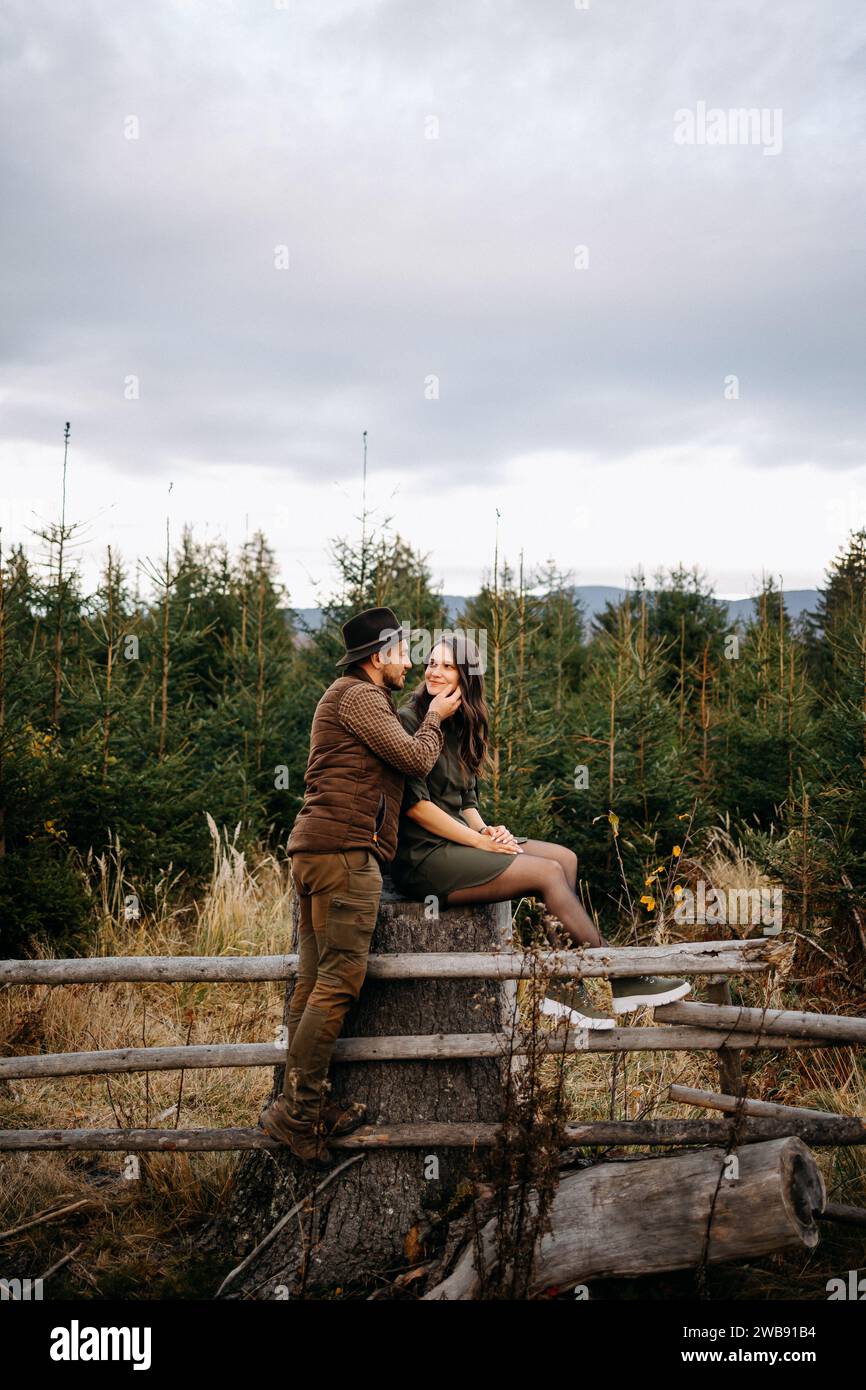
[570, 1000]
[305, 1138]
[635, 991]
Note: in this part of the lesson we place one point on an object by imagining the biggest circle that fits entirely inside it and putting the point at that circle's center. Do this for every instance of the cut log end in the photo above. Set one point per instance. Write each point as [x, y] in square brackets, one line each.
[803, 1190]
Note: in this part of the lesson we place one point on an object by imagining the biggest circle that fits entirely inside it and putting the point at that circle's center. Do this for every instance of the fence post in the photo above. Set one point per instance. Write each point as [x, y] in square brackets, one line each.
[730, 1063]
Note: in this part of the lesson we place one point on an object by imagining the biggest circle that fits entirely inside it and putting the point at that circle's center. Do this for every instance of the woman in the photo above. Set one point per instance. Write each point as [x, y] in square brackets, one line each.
[445, 850]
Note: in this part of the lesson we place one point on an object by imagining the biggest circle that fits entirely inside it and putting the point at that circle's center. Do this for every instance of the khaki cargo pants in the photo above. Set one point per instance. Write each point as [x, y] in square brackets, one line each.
[338, 896]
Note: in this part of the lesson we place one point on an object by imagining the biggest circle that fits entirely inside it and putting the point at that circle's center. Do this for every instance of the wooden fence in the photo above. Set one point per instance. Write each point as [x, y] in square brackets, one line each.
[717, 1026]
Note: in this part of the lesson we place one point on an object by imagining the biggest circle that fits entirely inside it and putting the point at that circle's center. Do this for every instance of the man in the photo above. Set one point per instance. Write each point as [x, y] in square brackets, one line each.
[346, 828]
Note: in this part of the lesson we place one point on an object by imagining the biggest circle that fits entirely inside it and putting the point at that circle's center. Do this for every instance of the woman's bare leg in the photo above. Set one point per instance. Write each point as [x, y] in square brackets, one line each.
[530, 874]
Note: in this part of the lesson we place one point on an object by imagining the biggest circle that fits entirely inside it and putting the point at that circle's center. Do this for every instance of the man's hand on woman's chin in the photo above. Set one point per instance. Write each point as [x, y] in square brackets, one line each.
[445, 705]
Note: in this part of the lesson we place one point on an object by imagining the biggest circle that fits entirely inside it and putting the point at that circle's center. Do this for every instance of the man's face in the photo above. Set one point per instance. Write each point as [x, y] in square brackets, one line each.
[394, 662]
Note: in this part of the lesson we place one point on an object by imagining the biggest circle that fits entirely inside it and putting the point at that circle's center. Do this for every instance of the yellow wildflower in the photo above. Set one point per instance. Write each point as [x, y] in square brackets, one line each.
[677, 851]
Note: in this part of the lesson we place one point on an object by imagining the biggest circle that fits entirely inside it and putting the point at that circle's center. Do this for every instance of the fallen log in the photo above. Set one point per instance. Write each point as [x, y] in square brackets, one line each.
[690, 958]
[431, 1135]
[836, 1028]
[670, 1203]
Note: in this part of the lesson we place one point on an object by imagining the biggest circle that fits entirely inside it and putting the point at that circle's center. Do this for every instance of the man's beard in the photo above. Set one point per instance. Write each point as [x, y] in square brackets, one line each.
[393, 679]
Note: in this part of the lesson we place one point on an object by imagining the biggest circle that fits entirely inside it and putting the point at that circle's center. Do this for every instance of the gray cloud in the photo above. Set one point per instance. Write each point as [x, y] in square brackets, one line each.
[411, 256]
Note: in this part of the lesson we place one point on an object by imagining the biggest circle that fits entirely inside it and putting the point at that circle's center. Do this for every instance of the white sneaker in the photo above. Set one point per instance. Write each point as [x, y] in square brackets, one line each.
[577, 1018]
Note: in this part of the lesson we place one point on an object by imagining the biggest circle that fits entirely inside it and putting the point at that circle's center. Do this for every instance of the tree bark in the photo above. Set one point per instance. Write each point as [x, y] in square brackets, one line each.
[363, 1224]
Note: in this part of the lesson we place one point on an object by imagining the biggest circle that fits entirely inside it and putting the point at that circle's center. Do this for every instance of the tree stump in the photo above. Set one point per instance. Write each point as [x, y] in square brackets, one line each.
[365, 1220]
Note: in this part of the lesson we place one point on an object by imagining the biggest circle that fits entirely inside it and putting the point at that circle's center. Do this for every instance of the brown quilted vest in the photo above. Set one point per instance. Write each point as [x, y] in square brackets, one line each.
[352, 798]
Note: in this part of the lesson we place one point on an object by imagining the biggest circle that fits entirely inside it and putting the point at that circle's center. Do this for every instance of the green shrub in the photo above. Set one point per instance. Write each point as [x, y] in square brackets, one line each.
[42, 895]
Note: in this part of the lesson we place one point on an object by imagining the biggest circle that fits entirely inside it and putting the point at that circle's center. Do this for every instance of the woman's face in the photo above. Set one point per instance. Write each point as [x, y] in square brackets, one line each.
[441, 675]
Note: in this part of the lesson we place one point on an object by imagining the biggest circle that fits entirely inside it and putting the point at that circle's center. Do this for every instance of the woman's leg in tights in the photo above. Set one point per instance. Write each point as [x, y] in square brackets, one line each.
[529, 874]
[546, 849]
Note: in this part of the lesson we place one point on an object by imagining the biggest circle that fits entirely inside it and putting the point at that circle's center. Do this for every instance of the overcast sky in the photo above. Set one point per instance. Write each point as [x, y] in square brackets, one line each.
[428, 170]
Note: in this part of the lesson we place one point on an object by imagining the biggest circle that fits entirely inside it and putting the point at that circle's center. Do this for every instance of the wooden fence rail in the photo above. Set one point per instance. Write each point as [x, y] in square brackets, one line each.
[837, 1130]
[415, 1047]
[792, 1023]
[689, 958]
[713, 1100]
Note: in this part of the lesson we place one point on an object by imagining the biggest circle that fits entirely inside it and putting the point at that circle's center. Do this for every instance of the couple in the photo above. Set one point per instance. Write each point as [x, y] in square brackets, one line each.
[399, 787]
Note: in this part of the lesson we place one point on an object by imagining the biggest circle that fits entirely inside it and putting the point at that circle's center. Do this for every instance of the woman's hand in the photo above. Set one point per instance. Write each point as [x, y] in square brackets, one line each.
[501, 834]
[500, 840]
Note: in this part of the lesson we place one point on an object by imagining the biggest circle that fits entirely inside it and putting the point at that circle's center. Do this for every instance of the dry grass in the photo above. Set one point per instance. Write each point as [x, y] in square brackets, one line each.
[136, 1241]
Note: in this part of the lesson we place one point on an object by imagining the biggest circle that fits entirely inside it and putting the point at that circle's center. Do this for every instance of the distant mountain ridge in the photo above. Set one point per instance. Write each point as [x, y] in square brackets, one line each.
[595, 596]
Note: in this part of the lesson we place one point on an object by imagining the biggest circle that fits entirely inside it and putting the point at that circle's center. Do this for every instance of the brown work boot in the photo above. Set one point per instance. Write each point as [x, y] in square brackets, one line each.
[305, 1138]
[343, 1119]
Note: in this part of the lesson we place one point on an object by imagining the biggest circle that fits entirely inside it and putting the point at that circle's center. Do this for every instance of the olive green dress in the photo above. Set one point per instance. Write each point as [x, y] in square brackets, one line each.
[426, 865]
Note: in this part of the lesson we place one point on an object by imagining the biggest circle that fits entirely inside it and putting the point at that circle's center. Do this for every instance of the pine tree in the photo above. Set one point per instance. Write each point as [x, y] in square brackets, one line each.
[505, 620]
[832, 626]
[765, 719]
[630, 758]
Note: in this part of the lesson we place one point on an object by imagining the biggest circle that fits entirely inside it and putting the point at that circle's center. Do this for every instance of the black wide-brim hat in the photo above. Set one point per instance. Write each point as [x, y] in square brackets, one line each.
[368, 632]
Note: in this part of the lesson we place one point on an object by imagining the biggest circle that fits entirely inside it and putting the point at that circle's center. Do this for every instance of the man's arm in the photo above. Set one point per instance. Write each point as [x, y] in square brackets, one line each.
[372, 719]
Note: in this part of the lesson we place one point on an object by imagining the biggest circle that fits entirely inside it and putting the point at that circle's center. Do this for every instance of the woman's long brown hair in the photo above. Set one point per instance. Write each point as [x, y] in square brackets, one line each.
[473, 716]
